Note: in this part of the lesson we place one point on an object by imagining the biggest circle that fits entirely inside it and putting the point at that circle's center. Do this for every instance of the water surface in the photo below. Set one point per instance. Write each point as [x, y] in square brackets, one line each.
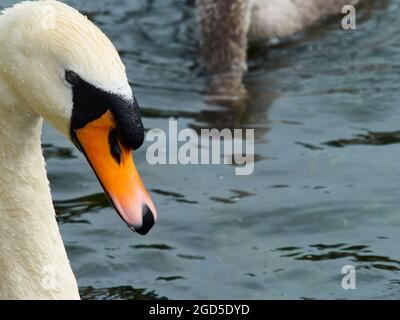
[325, 192]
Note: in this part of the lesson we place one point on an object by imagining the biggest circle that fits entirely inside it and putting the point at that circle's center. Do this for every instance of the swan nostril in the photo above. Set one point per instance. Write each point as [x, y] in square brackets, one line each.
[114, 146]
[147, 221]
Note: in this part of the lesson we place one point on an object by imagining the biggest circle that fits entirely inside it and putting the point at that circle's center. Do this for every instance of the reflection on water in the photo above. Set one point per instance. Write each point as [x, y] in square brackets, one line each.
[52, 151]
[238, 194]
[153, 246]
[69, 211]
[118, 293]
[369, 138]
[325, 191]
[178, 197]
[360, 255]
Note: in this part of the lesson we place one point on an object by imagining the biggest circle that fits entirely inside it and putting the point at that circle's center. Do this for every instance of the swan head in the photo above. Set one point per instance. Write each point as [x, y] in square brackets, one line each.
[68, 72]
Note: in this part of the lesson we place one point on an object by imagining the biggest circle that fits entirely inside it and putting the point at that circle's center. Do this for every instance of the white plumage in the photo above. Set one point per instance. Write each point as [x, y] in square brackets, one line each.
[33, 59]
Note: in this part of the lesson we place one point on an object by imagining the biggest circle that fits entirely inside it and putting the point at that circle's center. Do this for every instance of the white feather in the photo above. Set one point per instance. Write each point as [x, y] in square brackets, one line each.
[33, 59]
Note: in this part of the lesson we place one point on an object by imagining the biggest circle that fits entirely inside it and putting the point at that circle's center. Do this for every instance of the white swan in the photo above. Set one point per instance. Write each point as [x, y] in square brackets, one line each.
[226, 27]
[55, 64]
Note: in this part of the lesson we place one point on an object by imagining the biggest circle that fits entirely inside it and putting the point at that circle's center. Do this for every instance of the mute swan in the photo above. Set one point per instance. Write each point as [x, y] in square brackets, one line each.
[56, 65]
[226, 27]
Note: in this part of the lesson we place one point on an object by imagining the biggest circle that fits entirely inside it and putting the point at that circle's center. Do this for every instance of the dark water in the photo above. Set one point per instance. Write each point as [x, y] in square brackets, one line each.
[325, 192]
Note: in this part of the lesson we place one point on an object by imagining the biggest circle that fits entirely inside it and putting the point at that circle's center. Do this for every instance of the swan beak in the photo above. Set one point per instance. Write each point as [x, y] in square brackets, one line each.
[116, 171]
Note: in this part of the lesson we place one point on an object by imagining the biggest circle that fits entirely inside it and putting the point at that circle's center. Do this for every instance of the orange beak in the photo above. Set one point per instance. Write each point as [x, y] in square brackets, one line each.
[114, 167]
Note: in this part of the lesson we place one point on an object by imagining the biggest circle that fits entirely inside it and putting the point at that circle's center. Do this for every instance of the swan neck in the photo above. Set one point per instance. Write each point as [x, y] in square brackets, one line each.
[223, 42]
[33, 260]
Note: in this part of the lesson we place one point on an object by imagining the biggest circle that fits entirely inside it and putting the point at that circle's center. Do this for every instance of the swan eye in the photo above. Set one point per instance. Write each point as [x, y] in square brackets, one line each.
[72, 77]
